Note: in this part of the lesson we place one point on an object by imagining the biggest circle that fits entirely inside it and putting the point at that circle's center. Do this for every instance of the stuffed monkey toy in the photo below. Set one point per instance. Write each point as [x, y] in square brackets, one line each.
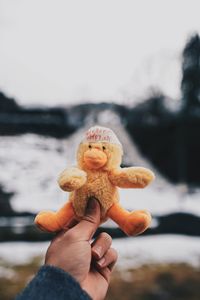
[98, 174]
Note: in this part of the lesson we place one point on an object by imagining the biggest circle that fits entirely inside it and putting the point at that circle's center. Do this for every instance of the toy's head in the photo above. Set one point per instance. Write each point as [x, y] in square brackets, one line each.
[99, 150]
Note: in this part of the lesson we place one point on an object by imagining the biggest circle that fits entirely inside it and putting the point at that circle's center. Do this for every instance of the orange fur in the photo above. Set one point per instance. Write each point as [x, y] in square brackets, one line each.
[132, 223]
[55, 221]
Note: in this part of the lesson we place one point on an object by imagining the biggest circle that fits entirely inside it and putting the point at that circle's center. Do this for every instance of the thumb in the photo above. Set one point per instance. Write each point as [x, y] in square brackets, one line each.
[90, 222]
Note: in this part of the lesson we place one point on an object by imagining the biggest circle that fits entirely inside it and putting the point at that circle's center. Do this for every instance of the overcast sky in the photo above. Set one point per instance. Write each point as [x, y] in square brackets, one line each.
[59, 51]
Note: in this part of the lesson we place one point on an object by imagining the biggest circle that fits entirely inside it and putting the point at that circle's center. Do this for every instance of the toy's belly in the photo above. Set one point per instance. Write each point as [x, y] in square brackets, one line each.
[101, 189]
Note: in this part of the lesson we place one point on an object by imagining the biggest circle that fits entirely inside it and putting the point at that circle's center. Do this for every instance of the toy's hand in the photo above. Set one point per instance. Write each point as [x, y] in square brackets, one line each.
[90, 264]
[133, 177]
[72, 179]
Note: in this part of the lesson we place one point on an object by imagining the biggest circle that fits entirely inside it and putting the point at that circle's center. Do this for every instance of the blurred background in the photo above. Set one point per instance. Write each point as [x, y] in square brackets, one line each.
[133, 66]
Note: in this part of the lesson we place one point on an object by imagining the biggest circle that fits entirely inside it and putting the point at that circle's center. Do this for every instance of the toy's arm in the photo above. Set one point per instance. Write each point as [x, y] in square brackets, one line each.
[133, 177]
[72, 179]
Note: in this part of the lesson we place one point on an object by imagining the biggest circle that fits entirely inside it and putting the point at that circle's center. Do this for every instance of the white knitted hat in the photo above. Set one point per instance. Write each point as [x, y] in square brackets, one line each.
[101, 134]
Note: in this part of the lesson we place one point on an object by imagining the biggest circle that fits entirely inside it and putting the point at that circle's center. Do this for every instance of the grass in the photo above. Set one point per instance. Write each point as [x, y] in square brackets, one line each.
[148, 282]
[156, 282]
[16, 277]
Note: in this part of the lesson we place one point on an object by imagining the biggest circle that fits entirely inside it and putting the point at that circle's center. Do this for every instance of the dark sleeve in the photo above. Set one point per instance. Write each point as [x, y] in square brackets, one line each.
[53, 284]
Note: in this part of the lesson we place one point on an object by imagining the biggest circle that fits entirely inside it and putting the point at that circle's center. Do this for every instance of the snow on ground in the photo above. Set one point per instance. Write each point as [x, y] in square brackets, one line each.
[31, 165]
[22, 252]
[160, 201]
[132, 252]
[158, 249]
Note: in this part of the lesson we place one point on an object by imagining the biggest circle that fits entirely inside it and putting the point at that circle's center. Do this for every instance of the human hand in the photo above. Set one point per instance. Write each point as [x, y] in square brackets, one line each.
[90, 264]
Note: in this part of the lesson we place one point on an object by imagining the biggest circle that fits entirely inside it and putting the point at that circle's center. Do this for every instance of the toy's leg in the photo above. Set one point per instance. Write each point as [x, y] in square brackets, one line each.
[132, 223]
[55, 221]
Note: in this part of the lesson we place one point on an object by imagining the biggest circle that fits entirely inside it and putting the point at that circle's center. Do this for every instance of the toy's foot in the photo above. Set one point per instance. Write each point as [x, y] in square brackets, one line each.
[132, 223]
[47, 221]
[136, 222]
[55, 221]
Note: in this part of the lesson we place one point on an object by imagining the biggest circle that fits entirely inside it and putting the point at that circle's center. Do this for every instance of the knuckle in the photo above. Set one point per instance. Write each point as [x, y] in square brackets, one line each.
[105, 236]
[89, 219]
[71, 235]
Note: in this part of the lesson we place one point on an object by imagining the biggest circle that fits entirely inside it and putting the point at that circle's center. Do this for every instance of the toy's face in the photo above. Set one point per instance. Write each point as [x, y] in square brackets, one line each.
[96, 156]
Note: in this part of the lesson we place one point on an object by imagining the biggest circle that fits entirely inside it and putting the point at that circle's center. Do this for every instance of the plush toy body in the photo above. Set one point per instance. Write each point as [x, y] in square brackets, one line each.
[98, 174]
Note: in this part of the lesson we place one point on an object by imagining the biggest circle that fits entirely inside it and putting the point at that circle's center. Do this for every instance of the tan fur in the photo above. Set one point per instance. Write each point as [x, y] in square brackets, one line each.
[72, 179]
[99, 186]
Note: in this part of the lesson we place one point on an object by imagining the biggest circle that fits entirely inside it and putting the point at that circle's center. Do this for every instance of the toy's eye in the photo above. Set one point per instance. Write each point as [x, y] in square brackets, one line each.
[104, 148]
[90, 147]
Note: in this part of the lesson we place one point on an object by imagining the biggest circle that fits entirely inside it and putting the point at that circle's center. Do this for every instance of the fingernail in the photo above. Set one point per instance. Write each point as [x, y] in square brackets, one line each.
[101, 261]
[91, 205]
[98, 251]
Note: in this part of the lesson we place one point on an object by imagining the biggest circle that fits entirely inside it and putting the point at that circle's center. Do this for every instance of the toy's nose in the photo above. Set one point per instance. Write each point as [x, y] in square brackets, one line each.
[95, 158]
[94, 153]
